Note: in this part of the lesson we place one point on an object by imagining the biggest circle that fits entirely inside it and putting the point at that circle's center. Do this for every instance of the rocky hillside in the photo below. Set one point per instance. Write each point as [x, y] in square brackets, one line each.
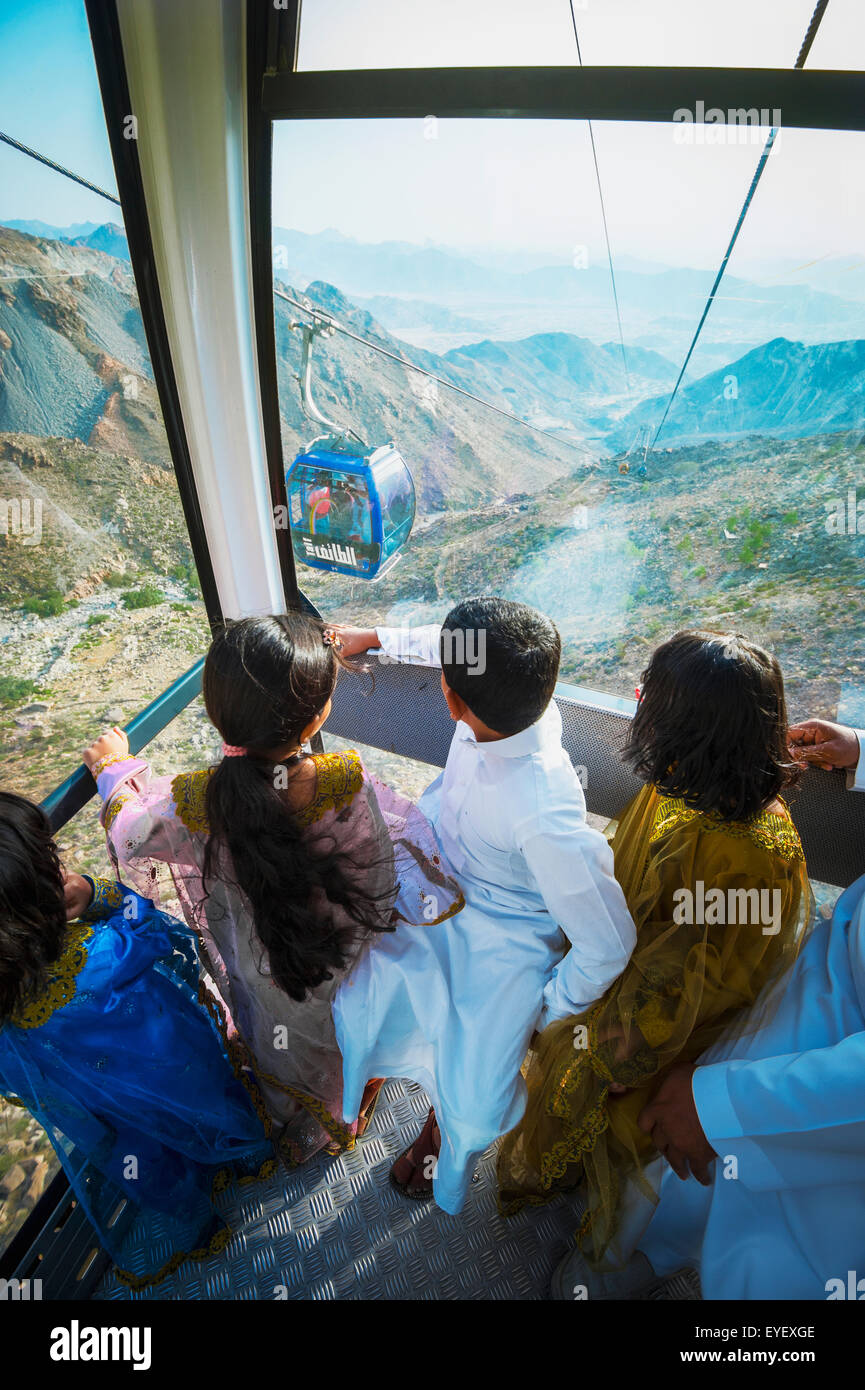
[783, 388]
[460, 453]
[74, 364]
[722, 535]
[560, 376]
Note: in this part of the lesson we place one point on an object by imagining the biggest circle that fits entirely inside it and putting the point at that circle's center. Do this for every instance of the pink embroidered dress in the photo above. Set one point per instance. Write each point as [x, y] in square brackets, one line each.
[157, 830]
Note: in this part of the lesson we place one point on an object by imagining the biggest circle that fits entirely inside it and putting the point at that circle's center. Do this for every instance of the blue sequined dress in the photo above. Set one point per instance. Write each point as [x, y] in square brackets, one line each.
[129, 1076]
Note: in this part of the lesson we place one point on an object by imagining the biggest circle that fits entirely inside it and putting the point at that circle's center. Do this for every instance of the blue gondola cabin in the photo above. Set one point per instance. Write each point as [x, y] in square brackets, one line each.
[351, 507]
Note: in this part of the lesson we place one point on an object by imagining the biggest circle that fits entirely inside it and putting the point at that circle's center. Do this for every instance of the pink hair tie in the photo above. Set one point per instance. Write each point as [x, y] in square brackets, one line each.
[230, 750]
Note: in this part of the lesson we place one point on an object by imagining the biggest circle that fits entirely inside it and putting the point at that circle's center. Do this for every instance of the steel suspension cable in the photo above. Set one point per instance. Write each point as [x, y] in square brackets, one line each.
[58, 168]
[758, 173]
[604, 217]
[423, 371]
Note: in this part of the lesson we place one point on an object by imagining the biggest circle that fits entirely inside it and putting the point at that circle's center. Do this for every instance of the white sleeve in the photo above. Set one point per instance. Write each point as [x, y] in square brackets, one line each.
[856, 776]
[573, 867]
[418, 646]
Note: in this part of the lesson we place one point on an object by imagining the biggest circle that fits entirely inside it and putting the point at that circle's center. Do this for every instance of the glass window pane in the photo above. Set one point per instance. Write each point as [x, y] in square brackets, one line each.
[340, 34]
[100, 606]
[490, 271]
[396, 498]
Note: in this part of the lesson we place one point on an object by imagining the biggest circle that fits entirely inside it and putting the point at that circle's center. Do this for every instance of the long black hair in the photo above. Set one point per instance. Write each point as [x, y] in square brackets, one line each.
[711, 724]
[32, 901]
[265, 681]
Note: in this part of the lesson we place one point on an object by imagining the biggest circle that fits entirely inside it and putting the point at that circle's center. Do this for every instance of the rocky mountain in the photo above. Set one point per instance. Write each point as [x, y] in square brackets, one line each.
[109, 238]
[785, 389]
[74, 366]
[46, 229]
[73, 358]
[460, 453]
[81, 431]
[106, 236]
[561, 375]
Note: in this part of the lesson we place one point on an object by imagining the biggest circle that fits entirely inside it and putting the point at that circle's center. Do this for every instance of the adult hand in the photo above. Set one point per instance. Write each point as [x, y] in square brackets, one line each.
[112, 742]
[824, 744]
[671, 1119]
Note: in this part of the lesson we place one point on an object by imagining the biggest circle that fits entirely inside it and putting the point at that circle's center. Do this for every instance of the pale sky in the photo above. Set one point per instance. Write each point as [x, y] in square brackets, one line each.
[531, 185]
[515, 185]
[467, 33]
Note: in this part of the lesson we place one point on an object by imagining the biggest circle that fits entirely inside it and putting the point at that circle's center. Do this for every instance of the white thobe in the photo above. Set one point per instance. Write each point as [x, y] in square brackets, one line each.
[453, 1006]
[787, 1103]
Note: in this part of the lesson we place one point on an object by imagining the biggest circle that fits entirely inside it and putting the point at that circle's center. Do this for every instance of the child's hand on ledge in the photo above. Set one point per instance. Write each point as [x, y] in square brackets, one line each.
[354, 641]
[107, 744]
[77, 892]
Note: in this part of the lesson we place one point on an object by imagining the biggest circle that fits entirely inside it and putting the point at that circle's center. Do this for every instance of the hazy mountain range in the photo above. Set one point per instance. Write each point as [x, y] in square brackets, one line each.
[660, 305]
[782, 389]
[439, 298]
[74, 364]
[728, 523]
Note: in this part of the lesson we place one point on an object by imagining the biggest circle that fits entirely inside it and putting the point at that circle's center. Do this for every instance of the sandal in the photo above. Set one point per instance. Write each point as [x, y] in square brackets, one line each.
[367, 1108]
[417, 1192]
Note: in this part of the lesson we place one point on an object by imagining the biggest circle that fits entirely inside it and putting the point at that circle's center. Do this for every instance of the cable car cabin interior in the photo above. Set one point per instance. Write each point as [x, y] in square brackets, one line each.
[393, 306]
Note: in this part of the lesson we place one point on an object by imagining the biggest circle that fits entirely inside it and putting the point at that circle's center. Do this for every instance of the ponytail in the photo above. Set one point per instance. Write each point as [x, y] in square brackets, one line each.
[265, 680]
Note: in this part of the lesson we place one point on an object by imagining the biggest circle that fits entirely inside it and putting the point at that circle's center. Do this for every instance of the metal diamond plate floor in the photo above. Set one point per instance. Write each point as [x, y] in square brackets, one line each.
[337, 1229]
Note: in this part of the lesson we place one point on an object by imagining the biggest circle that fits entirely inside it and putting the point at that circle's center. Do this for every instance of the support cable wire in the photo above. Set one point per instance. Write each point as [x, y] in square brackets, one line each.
[767, 150]
[604, 217]
[568, 443]
[58, 168]
[442, 381]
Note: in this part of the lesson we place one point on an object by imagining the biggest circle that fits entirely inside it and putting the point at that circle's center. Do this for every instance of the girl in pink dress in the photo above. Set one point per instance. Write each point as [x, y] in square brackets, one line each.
[288, 865]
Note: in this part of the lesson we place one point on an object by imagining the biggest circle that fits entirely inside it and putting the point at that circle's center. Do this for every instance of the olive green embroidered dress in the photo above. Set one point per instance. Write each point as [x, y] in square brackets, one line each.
[719, 906]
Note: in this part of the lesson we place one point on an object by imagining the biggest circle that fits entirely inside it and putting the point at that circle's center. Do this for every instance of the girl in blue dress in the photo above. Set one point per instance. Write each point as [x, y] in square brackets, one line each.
[103, 1039]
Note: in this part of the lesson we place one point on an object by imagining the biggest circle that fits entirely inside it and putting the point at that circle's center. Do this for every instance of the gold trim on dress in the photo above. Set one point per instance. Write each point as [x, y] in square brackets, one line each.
[222, 1179]
[188, 792]
[62, 981]
[769, 829]
[107, 897]
[339, 778]
[113, 809]
[337, 1129]
[98, 768]
[238, 1056]
[458, 904]
[215, 1245]
[251, 1076]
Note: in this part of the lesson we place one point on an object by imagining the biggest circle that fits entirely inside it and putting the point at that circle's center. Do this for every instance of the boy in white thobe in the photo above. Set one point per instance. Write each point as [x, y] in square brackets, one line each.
[786, 1101]
[453, 1006]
